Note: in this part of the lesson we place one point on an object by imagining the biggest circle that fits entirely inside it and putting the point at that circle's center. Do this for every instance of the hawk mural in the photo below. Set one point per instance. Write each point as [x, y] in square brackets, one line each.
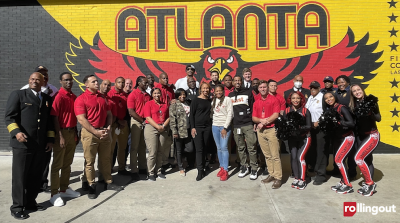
[356, 59]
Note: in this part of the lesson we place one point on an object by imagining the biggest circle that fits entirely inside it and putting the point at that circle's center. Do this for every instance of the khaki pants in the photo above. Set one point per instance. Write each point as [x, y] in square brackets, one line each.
[122, 140]
[62, 160]
[248, 137]
[91, 146]
[270, 147]
[138, 147]
[156, 144]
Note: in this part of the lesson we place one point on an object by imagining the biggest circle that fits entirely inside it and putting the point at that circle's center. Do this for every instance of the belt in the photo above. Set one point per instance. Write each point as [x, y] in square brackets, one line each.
[72, 128]
[371, 132]
[347, 134]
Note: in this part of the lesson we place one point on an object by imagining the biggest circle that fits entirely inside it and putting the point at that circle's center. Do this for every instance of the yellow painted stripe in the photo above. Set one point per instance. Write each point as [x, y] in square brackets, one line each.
[51, 134]
[12, 127]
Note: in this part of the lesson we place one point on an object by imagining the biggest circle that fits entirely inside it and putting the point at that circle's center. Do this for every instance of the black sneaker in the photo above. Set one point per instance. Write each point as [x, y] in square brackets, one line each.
[369, 190]
[151, 178]
[364, 187]
[92, 192]
[114, 187]
[301, 185]
[344, 189]
[295, 182]
[337, 186]
[244, 170]
[161, 176]
[85, 186]
[253, 175]
[124, 173]
[265, 172]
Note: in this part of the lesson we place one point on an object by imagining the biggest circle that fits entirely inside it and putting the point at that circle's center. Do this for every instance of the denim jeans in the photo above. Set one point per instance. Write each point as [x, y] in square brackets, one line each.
[222, 145]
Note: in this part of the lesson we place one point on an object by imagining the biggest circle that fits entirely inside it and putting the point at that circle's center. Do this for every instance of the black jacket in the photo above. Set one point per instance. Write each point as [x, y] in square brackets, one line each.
[26, 113]
[242, 101]
[190, 97]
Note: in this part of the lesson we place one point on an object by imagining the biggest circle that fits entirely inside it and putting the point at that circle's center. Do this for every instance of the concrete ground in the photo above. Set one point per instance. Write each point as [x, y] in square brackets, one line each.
[182, 199]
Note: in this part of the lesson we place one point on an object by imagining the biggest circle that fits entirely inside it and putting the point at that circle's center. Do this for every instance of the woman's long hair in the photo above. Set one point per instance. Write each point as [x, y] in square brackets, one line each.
[302, 101]
[324, 104]
[353, 99]
[215, 98]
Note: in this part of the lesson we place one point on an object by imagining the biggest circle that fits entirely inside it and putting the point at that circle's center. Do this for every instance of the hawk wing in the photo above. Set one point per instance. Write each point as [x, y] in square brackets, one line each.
[109, 64]
[353, 59]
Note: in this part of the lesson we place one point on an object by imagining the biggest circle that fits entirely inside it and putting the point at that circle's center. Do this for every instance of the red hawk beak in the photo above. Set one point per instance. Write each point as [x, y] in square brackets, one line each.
[218, 67]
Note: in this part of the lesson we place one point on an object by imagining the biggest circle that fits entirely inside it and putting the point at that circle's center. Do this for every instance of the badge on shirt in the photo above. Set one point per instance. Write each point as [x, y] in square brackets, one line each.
[344, 95]
[47, 104]
[306, 96]
[317, 101]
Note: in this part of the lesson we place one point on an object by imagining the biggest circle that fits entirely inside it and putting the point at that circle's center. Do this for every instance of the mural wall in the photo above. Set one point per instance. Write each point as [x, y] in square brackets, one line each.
[275, 39]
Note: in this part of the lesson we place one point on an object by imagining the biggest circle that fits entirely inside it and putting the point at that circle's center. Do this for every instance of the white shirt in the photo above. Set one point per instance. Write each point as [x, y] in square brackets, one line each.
[223, 114]
[148, 90]
[245, 83]
[296, 89]
[45, 89]
[182, 83]
[35, 93]
[314, 105]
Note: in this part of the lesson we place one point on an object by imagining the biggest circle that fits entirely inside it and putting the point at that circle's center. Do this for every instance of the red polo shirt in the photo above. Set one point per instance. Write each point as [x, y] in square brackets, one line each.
[227, 91]
[120, 100]
[63, 108]
[270, 105]
[136, 101]
[159, 113]
[167, 93]
[111, 104]
[282, 102]
[95, 106]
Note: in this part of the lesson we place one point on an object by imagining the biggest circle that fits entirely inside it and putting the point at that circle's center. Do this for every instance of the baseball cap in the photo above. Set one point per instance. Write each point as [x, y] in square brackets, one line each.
[191, 66]
[328, 78]
[315, 84]
[40, 67]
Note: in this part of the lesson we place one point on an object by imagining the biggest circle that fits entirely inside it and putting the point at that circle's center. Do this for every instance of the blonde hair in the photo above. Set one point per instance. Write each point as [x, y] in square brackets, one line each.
[352, 103]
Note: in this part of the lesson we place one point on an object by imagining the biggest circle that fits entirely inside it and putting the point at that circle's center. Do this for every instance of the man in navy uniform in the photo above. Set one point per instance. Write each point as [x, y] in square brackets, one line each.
[28, 120]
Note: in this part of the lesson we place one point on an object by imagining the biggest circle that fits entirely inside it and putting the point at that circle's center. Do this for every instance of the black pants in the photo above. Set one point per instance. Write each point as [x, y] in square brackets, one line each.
[298, 150]
[27, 172]
[182, 145]
[318, 153]
[200, 141]
[47, 158]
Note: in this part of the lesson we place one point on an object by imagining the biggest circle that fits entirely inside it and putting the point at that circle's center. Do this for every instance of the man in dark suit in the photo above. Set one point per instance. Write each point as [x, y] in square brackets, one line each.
[298, 83]
[193, 91]
[28, 120]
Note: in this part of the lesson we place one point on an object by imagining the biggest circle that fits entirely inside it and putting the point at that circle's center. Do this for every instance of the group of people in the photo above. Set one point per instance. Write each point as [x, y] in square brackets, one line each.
[198, 121]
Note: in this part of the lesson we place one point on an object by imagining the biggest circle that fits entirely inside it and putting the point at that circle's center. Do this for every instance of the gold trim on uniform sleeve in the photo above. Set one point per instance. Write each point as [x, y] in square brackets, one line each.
[51, 134]
[12, 127]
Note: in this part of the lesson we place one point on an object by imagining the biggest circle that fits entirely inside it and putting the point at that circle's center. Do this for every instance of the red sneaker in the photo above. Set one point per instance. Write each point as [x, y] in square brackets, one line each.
[219, 174]
[224, 175]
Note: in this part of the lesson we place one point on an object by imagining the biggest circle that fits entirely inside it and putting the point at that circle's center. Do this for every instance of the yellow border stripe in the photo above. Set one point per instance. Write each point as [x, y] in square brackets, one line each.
[51, 134]
[12, 127]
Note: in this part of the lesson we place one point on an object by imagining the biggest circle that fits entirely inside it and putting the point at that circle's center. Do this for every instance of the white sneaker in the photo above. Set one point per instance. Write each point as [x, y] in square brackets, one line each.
[56, 200]
[243, 171]
[70, 193]
[253, 175]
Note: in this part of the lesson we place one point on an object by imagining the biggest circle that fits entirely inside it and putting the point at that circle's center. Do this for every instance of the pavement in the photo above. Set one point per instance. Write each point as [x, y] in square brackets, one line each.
[183, 199]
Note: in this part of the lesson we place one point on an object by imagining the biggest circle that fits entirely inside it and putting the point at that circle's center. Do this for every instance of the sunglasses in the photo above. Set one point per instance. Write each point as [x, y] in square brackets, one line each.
[189, 68]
